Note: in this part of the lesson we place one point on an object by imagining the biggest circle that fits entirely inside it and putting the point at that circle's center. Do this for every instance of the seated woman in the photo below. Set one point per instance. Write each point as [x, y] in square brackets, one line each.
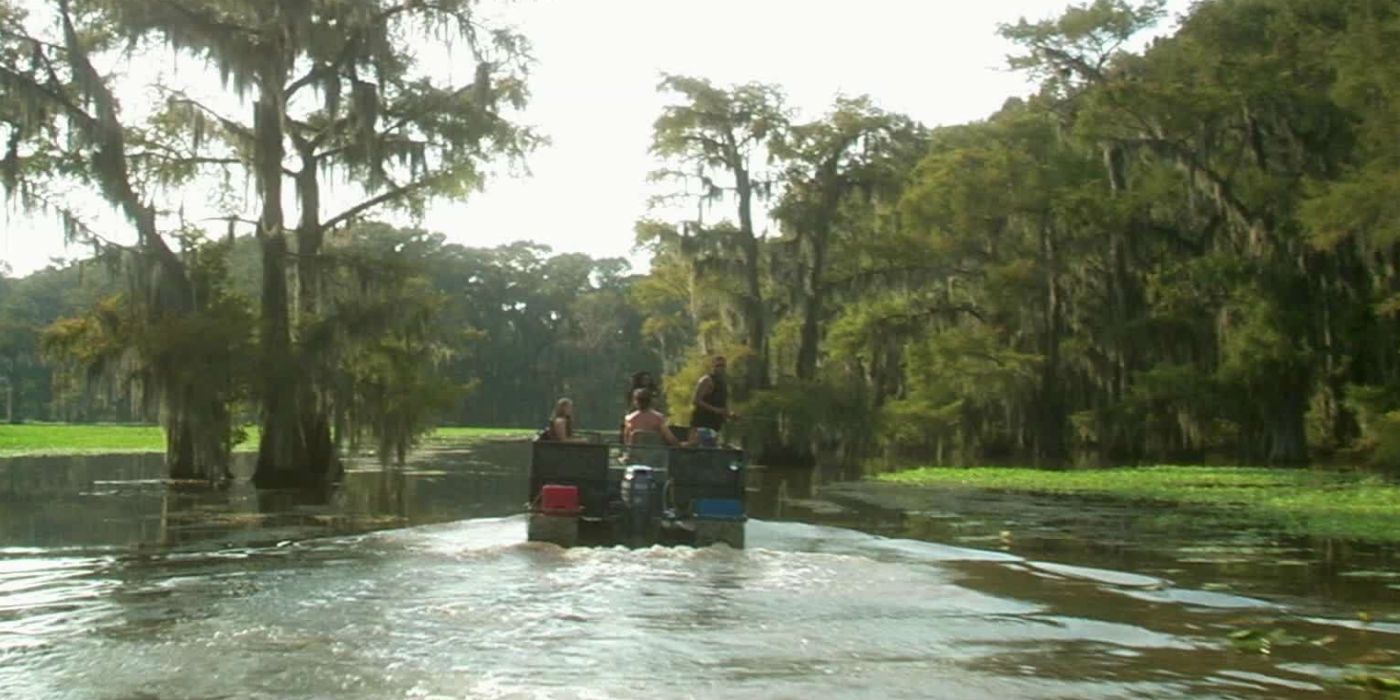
[640, 380]
[561, 423]
[646, 419]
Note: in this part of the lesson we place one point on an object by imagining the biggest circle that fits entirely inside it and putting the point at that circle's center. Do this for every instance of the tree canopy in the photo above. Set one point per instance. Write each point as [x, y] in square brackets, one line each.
[1182, 249]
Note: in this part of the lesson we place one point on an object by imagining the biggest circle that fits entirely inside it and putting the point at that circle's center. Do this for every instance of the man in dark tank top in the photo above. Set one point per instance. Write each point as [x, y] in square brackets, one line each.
[711, 400]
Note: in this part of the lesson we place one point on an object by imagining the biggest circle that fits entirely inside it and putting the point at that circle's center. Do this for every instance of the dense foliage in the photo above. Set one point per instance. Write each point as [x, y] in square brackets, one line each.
[297, 98]
[461, 336]
[1176, 253]
[1177, 250]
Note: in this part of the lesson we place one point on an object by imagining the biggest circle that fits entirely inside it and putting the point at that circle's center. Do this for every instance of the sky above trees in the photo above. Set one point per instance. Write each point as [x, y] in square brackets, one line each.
[594, 96]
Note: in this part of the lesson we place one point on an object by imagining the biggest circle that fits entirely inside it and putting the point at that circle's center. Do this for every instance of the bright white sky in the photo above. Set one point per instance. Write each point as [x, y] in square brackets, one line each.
[594, 95]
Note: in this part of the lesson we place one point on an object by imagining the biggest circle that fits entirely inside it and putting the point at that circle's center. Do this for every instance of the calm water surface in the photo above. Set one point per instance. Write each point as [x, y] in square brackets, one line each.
[418, 583]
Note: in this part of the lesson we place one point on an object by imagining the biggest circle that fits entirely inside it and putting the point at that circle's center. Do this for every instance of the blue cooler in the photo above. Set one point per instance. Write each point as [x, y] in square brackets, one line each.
[719, 520]
[718, 509]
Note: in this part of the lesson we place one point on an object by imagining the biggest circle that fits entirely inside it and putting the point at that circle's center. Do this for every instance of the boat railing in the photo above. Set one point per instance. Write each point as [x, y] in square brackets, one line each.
[694, 473]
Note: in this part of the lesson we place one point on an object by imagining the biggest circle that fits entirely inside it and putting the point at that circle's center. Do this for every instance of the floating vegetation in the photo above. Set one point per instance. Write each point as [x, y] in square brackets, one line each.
[1385, 681]
[1292, 501]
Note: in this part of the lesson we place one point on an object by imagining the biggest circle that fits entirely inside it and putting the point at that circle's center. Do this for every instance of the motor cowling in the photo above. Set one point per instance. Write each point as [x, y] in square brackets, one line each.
[641, 500]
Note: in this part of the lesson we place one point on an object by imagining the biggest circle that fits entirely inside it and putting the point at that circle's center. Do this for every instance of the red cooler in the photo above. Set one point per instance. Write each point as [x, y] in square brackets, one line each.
[559, 500]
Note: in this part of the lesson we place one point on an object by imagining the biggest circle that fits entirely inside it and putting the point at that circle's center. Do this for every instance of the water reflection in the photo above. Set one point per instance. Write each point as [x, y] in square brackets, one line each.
[1208, 550]
[114, 583]
[123, 500]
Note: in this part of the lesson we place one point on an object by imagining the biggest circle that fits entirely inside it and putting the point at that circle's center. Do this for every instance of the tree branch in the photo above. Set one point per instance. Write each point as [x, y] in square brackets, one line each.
[183, 160]
[381, 199]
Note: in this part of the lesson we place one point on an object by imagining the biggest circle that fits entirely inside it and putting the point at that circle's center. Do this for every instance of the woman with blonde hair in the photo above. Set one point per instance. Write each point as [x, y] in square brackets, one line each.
[561, 422]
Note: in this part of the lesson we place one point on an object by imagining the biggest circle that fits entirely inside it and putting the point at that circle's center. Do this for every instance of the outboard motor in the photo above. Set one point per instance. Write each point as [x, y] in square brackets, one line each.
[641, 502]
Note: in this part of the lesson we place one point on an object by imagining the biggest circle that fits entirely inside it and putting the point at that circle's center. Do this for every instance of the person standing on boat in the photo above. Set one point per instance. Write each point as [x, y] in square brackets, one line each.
[643, 380]
[711, 402]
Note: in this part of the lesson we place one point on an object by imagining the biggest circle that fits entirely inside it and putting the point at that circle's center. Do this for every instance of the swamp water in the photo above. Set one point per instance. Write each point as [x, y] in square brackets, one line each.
[418, 583]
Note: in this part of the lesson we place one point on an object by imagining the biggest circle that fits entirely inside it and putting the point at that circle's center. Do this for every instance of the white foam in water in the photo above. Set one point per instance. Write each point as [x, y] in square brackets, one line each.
[1200, 599]
[803, 537]
[1262, 681]
[463, 535]
[1360, 625]
[1105, 576]
[933, 552]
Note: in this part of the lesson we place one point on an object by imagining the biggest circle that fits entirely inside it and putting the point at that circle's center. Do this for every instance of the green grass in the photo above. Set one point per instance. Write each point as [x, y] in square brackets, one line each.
[110, 438]
[1297, 501]
[89, 438]
[460, 434]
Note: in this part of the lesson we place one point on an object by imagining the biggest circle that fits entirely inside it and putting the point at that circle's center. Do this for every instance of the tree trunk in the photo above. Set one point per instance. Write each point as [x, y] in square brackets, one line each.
[179, 449]
[812, 301]
[1287, 434]
[313, 402]
[309, 236]
[282, 452]
[1050, 419]
[1115, 441]
[757, 335]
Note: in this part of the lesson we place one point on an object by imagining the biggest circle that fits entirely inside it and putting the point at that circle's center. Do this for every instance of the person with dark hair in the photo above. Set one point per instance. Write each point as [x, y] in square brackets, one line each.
[643, 380]
[645, 419]
[711, 403]
[640, 380]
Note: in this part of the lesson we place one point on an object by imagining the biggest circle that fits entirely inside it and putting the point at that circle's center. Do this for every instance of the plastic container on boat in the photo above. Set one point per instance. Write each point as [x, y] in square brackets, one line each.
[557, 499]
[641, 502]
[638, 485]
[581, 465]
[718, 509]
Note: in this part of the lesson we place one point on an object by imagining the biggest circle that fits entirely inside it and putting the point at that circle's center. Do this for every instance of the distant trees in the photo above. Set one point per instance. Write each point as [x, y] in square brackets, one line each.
[418, 332]
[18, 350]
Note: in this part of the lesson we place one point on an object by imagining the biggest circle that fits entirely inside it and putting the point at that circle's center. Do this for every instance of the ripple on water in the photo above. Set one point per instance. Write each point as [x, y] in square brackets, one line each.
[469, 609]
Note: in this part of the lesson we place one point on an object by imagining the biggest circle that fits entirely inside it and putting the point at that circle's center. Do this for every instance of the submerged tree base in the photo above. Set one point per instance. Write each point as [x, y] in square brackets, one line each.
[1300, 502]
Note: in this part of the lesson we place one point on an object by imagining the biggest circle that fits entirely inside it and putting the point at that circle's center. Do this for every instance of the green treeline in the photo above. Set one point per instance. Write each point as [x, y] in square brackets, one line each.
[512, 327]
[1177, 251]
[1181, 253]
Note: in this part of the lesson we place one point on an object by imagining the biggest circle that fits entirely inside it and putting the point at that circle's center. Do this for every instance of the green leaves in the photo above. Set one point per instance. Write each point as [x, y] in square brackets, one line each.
[719, 127]
[1078, 46]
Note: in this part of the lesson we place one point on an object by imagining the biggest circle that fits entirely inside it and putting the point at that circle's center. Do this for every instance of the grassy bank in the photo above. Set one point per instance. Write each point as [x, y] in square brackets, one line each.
[467, 434]
[77, 439]
[1297, 501]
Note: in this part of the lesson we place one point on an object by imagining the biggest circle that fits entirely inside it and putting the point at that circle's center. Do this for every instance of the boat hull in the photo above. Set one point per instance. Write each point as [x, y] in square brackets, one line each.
[680, 496]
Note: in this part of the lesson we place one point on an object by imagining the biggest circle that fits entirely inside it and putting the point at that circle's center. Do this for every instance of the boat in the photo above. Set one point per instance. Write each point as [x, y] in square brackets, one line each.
[606, 494]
